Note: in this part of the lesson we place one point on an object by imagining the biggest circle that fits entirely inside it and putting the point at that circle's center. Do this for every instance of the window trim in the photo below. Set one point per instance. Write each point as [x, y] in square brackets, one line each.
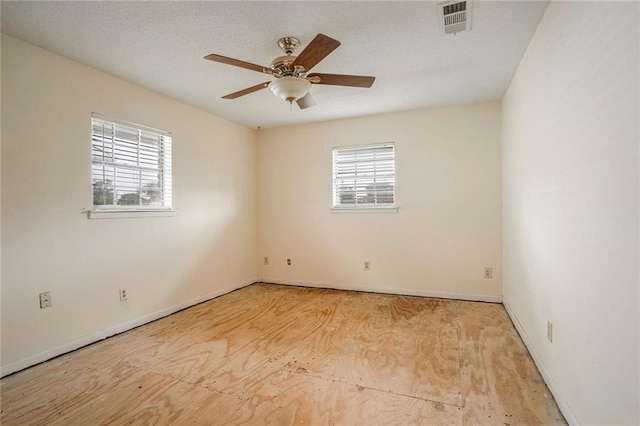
[123, 211]
[124, 214]
[130, 123]
[365, 208]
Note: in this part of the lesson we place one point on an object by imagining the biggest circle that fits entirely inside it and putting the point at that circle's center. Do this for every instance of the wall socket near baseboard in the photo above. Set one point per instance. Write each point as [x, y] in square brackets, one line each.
[488, 272]
[289, 262]
[366, 265]
[45, 300]
[550, 331]
[123, 295]
[266, 260]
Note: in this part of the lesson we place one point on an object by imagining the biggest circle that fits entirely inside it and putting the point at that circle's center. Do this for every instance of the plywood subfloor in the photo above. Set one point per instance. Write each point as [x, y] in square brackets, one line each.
[270, 354]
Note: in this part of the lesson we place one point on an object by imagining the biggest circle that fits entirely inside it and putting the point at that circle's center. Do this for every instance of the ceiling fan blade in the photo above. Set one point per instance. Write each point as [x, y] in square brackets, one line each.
[247, 91]
[306, 101]
[236, 62]
[316, 51]
[344, 80]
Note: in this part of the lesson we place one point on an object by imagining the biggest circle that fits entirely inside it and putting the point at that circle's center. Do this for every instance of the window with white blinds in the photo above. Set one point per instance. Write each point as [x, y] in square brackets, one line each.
[131, 166]
[364, 176]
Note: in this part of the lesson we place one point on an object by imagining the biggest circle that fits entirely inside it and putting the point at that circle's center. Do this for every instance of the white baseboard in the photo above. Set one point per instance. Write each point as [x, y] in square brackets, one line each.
[389, 290]
[111, 331]
[562, 404]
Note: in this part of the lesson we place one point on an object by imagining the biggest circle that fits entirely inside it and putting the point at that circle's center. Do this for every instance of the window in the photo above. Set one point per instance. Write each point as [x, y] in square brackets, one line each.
[364, 176]
[131, 166]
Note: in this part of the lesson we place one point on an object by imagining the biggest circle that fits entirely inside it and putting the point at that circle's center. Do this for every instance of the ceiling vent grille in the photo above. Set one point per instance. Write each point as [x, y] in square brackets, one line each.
[454, 16]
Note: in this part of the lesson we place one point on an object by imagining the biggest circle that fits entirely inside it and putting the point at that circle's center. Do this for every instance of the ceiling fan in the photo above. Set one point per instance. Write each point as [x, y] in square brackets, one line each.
[292, 81]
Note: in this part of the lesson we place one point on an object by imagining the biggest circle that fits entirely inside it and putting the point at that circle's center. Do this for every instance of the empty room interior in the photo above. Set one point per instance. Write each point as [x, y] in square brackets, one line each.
[320, 212]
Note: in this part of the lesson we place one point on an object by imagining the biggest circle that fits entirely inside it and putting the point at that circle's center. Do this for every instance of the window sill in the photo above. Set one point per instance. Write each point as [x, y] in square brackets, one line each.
[123, 214]
[390, 209]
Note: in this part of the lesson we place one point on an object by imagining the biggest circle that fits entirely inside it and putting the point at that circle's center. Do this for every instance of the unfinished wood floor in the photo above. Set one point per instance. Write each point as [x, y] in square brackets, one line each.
[270, 354]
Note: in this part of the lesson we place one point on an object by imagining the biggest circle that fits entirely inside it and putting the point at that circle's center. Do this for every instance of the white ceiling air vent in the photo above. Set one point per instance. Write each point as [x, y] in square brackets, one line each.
[454, 16]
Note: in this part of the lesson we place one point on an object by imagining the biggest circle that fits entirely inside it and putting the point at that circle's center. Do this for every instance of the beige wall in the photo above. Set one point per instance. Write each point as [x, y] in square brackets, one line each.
[570, 166]
[208, 247]
[448, 226]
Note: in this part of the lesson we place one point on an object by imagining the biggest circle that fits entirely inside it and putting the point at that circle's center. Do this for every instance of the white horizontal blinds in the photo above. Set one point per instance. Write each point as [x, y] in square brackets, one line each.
[131, 166]
[364, 176]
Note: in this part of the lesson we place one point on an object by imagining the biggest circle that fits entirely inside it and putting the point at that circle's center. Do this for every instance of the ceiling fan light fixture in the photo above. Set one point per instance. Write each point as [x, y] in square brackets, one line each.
[290, 89]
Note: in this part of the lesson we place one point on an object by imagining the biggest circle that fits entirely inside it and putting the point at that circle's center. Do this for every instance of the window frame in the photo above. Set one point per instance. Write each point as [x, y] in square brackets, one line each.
[363, 208]
[98, 211]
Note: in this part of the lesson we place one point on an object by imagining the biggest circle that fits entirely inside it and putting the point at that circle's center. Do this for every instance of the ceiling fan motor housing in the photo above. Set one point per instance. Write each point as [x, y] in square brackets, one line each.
[281, 65]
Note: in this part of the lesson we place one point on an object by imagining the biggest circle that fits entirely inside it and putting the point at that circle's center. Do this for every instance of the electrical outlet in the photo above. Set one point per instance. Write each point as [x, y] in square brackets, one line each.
[366, 265]
[488, 272]
[550, 331]
[123, 295]
[266, 260]
[289, 262]
[45, 300]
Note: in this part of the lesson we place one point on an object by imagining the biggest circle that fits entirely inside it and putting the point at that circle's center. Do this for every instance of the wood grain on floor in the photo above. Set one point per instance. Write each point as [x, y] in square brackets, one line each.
[271, 354]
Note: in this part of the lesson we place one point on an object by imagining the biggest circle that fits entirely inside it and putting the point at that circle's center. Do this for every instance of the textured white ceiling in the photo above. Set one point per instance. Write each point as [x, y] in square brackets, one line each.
[160, 45]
